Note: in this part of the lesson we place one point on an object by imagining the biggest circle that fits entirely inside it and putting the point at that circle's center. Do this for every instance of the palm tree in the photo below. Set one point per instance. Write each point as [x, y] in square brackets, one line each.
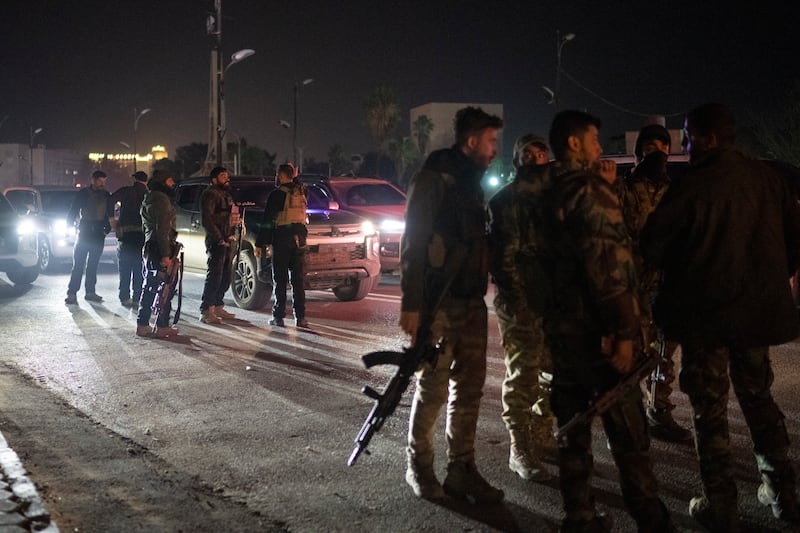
[383, 114]
[403, 151]
[422, 128]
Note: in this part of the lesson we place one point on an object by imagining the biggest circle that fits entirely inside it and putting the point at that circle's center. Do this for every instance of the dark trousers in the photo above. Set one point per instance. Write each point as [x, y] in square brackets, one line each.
[155, 275]
[218, 276]
[131, 275]
[85, 256]
[288, 265]
[625, 426]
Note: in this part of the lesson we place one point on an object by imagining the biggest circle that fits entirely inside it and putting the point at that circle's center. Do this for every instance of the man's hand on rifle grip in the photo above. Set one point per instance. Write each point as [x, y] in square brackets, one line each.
[409, 322]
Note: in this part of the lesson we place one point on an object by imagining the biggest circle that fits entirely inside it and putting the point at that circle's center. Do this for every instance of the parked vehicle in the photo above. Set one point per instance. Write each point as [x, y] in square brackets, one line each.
[19, 257]
[49, 204]
[341, 250]
[374, 199]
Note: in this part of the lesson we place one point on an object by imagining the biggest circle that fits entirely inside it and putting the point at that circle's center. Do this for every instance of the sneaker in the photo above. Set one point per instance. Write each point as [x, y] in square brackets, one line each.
[786, 511]
[127, 303]
[301, 323]
[599, 523]
[207, 316]
[93, 297]
[721, 521]
[71, 299]
[144, 331]
[464, 482]
[423, 482]
[276, 322]
[222, 313]
[162, 332]
[663, 427]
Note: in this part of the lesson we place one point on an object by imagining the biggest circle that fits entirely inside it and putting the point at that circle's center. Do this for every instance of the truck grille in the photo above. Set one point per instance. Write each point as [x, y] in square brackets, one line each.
[324, 254]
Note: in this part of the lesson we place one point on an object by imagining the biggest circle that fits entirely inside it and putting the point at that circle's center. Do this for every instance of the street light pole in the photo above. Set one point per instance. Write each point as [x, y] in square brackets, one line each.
[561, 40]
[136, 116]
[34, 133]
[297, 85]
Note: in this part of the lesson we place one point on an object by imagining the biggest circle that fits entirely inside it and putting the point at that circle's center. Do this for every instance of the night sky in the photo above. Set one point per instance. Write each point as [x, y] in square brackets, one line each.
[78, 69]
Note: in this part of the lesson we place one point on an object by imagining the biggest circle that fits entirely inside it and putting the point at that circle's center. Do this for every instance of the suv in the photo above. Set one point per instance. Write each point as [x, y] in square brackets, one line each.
[374, 199]
[341, 249]
[50, 205]
[18, 248]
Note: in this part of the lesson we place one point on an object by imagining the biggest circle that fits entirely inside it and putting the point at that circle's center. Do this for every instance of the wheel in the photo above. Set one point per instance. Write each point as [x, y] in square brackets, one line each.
[248, 292]
[23, 276]
[45, 255]
[354, 291]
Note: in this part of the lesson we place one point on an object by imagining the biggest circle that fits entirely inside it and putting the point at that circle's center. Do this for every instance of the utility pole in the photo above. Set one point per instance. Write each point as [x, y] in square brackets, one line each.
[216, 105]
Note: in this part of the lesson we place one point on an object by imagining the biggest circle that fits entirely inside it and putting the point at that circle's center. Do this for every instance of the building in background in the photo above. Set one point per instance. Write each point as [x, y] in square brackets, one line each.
[22, 165]
[442, 115]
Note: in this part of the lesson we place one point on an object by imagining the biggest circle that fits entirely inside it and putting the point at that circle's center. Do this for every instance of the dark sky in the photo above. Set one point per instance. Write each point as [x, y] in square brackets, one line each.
[78, 69]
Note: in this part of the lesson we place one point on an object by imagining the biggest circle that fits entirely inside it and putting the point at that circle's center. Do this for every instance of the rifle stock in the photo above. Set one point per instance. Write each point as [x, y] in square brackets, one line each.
[408, 362]
[649, 360]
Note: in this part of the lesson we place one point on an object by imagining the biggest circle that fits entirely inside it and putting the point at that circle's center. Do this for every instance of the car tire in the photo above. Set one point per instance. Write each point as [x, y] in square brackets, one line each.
[247, 290]
[46, 263]
[23, 276]
[354, 291]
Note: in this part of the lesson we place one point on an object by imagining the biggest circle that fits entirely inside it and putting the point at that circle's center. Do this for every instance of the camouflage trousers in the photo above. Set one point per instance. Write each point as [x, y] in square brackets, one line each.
[525, 390]
[625, 426]
[705, 378]
[663, 378]
[456, 380]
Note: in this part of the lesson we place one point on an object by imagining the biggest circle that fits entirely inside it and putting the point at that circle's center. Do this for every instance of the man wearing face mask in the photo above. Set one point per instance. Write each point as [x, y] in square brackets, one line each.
[639, 193]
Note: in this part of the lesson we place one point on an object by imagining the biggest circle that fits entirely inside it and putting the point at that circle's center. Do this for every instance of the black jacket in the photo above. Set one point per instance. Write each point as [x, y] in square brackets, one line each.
[727, 237]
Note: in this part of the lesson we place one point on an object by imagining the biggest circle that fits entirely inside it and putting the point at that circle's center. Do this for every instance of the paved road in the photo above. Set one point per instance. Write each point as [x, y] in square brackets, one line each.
[266, 417]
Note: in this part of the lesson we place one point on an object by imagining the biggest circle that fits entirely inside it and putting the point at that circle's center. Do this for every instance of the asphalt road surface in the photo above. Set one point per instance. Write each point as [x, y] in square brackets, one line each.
[245, 427]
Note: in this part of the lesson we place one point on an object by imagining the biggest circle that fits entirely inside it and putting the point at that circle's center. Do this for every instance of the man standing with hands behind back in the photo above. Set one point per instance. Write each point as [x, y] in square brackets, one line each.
[220, 218]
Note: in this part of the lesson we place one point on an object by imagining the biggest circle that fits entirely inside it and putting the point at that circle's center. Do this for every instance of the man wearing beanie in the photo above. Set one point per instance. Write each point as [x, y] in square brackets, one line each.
[640, 191]
[130, 239]
[526, 387]
[92, 210]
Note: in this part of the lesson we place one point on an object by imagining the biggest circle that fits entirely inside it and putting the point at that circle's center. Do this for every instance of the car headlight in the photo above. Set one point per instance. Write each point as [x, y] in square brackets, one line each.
[368, 228]
[26, 226]
[392, 225]
[60, 227]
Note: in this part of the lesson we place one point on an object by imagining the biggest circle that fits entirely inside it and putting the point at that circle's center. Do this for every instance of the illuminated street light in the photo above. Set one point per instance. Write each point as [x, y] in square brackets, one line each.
[297, 84]
[34, 133]
[553, 96]
[137, 115]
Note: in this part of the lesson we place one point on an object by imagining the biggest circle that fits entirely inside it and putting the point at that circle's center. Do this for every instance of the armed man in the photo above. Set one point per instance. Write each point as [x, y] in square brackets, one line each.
[639, 192]
[591, 321]
[445, 236]
[526, 387]
[158, 222]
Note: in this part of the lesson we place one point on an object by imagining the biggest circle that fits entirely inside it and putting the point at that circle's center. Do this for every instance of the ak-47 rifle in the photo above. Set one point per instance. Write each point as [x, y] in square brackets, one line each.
[409, 360]
[170, 280]
[657, 376]
[649, 359]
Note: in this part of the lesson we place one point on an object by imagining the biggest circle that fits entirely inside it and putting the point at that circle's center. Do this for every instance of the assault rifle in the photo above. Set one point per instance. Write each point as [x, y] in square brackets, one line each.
[170, 280]
[409, 360]
[648, 361]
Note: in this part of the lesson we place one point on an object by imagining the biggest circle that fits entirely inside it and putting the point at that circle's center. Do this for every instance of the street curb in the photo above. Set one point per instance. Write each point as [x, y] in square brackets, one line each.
[21, 509]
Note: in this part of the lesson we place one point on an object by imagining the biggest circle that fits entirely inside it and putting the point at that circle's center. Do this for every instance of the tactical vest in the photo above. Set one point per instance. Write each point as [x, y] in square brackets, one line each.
[294, 206]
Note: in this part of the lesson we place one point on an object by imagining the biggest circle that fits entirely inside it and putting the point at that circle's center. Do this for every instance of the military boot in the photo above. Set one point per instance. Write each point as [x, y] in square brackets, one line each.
[715, 518]
[522, 459]
[781, 500]
[663, 427]
[422, 480]
[464, 482]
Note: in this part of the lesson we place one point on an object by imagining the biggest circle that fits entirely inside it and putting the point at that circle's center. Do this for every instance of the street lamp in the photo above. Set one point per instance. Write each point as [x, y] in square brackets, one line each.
[34, 133]
[136, 116]
[561, 40]
[297, 85]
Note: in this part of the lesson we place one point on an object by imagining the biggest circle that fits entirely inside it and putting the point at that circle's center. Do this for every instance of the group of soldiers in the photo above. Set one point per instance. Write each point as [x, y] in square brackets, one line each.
[587, 267]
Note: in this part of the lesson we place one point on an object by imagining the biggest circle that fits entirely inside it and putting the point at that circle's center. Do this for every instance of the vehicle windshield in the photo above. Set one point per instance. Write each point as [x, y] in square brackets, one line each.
[370, 195]
[5, 206]
[57, 201]
[251, 194]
